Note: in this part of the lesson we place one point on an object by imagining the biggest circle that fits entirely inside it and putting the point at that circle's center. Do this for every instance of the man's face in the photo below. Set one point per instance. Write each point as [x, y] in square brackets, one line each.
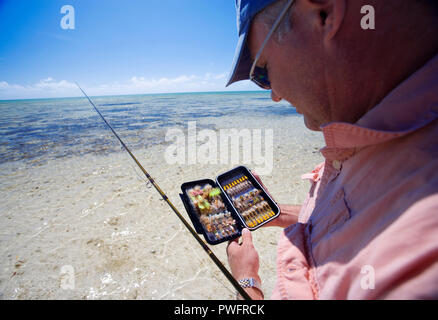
[294, 67]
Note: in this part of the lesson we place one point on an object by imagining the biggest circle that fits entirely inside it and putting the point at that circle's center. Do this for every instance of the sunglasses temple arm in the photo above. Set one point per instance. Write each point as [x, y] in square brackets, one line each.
[274, 27]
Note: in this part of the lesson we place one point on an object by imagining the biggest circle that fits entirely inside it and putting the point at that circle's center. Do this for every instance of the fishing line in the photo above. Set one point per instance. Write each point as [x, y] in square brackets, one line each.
[147, 182]
[210, 253]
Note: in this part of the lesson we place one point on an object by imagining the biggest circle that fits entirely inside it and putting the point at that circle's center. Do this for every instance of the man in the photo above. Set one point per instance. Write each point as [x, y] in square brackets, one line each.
[369, 226]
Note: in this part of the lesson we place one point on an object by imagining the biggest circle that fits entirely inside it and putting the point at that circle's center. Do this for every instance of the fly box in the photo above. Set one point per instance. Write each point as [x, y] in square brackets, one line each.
[221, 209]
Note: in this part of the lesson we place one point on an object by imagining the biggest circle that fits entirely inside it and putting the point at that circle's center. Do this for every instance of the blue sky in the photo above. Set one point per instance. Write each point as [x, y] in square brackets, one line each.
[117, 47]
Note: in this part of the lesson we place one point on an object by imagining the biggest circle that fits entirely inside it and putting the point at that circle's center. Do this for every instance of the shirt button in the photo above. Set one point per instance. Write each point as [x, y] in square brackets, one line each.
[336, 164]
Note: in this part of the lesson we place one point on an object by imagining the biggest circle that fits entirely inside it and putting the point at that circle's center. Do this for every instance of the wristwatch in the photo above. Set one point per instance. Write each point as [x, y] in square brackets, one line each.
[250, 283]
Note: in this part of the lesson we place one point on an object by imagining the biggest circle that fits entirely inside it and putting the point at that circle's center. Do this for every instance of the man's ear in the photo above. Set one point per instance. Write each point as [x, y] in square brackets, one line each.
[329, 15]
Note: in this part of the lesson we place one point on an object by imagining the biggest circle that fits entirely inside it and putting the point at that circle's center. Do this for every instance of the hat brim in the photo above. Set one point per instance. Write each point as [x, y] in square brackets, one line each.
[242, 61]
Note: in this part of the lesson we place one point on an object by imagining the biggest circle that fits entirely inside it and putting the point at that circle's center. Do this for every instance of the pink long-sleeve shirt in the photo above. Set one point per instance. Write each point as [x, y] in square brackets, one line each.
[369, 226]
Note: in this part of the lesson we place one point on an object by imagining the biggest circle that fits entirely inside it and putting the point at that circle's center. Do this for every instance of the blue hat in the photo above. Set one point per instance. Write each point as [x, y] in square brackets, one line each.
[246, 11]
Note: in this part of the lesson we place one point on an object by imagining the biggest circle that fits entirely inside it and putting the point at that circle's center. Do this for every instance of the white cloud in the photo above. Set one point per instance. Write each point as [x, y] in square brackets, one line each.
[3, 85]
[44, 88]
[51, 88]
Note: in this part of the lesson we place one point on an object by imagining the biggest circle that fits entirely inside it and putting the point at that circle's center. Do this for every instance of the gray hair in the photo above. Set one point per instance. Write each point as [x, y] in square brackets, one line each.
[271, 13]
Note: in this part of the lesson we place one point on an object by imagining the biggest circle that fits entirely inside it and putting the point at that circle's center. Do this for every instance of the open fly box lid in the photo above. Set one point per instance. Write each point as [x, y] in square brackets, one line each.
[210, 212]
[248, 199]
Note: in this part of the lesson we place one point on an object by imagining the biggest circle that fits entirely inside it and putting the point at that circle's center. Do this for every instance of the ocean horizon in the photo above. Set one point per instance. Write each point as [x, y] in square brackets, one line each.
[136, 94]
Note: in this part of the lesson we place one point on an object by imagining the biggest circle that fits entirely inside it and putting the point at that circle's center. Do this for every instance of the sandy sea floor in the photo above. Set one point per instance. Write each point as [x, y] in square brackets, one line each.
[95, 217]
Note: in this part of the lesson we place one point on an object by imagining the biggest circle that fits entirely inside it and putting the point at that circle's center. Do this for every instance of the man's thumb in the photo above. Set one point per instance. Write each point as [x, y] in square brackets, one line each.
[246, 237]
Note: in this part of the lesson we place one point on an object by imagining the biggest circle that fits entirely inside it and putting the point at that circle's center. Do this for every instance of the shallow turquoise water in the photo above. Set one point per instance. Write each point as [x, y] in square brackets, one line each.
[38, 130]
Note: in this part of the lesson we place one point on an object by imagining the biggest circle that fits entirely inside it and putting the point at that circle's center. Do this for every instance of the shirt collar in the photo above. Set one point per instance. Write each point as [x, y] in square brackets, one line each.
[409, 107]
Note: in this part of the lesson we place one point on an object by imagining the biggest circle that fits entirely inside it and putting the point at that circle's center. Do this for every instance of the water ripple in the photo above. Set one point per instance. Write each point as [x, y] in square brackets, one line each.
[38, 130]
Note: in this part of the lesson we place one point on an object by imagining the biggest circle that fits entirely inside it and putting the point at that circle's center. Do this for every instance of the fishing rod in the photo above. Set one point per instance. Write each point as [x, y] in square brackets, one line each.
[204, 246]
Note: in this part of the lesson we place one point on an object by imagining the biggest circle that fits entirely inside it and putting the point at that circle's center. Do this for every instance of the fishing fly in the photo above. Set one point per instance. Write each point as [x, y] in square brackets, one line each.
[204, 246]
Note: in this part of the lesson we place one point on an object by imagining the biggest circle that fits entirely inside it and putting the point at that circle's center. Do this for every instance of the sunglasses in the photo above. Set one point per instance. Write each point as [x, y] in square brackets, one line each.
[259, 75]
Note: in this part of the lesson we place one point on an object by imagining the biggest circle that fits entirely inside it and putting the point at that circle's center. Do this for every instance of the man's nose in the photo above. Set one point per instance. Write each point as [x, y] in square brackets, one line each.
[274, 97]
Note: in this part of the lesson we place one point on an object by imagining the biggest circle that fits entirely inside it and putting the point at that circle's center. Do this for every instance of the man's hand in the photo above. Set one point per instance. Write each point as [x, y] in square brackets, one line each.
[288, 213]
[244, 261]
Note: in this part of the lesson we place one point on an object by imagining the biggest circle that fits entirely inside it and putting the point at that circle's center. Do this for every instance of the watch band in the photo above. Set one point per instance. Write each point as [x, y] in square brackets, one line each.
[250, 283]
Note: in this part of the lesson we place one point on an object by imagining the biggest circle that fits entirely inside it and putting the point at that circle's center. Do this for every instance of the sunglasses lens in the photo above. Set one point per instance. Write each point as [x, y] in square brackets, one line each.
[260, 77]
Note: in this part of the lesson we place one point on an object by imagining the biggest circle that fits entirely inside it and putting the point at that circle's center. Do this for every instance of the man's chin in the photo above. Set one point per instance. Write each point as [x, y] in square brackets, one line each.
[311, 124]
